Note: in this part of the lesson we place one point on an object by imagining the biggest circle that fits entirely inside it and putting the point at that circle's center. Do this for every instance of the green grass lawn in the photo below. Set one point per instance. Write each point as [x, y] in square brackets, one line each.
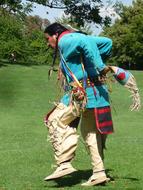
[26, 157]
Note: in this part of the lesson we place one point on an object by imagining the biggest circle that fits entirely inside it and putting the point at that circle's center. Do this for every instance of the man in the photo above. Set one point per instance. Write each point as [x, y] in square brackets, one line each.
[83, 66]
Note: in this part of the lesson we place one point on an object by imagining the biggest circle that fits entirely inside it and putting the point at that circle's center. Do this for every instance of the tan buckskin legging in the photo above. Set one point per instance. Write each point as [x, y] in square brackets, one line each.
[64, 138]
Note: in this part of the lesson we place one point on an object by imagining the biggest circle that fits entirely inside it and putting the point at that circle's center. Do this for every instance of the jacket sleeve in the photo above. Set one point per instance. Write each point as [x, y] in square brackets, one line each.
[71, 46]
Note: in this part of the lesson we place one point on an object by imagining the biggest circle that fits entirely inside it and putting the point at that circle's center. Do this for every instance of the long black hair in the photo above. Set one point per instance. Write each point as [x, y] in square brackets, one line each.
[55, 29]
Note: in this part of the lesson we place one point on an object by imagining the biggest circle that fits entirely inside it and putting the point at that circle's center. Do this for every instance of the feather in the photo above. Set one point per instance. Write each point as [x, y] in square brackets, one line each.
[50, 71]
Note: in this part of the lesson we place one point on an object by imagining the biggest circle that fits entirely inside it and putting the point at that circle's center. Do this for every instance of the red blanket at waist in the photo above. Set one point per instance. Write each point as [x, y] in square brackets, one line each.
[103, 120]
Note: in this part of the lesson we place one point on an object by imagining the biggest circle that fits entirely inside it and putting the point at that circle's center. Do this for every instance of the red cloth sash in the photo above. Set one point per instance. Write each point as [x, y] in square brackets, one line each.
[103, 120]
[63, 33]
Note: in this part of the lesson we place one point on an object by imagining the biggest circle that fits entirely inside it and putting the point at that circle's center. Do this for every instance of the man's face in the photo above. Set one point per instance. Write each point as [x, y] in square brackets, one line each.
[51, 40]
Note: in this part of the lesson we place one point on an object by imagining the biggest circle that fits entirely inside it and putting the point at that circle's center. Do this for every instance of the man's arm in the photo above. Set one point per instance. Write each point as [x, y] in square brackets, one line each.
[74, 45]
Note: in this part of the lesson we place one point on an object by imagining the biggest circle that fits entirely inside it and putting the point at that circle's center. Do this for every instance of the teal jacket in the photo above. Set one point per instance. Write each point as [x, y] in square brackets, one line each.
[93, 51]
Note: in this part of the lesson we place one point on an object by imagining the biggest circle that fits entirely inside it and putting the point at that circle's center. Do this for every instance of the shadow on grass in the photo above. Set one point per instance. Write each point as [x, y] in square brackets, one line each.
[5, 62]
[114, 178]
[72, 179]
[3, 65]
[77, 178]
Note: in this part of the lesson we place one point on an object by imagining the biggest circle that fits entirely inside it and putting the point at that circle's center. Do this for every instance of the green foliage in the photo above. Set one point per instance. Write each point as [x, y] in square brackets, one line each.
[15, 7]
[24, 39]
[10, 35]
[80, 11]
[36, 48]
[11, 5]
[127, 36]
[21, 36]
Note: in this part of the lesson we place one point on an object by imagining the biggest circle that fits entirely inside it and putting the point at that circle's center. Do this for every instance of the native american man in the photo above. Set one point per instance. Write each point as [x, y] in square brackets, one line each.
[83, 66]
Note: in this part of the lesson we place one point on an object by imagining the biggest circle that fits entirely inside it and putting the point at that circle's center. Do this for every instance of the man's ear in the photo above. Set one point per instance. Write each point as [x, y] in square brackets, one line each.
[55, 36]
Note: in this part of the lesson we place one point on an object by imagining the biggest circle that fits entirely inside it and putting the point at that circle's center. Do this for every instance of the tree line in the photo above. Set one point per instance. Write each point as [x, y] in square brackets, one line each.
[127, 36]
[22, 40]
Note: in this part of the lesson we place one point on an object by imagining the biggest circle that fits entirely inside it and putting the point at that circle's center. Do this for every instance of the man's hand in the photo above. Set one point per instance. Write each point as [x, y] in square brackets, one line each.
[102, 78]
[105, 71]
